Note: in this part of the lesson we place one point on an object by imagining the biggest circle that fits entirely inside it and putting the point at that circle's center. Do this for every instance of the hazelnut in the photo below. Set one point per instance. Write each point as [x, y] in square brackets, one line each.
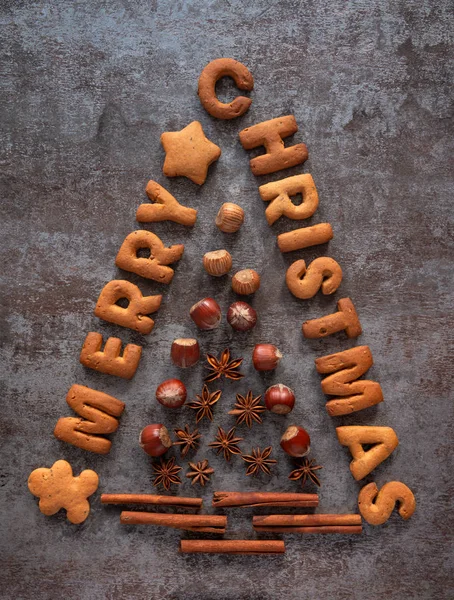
[217, 262]
[171, 393]
[155, 439]
[265, 357]
[206, 313]
[230, 217]
[241, 316]
[246, 282]
[185, 352]
[296, 441]
[279, 399]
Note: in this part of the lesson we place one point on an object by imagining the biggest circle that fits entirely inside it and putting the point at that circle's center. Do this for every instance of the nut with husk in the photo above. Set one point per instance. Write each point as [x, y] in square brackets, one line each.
[265, 357]
[279, 399]
[296, 441]
[155, 439]
[241, 316]
[217, 262]
[230, 217]
[185, 352]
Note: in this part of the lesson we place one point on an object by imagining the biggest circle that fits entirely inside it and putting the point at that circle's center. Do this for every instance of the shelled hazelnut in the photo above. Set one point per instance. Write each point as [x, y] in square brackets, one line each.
[206, 314]
[296, 441]
[230, 217]
[279, 399]
[217, 262]
[171, 393]
[155, 439]
[246, 282]
[241, 316]
[185, 352]
[265, 357]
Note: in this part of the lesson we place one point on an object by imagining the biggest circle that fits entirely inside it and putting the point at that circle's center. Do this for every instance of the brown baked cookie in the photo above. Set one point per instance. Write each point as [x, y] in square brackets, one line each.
[323, 272]
[346, 319]
[164, 207]
[109, 360]
[134, 316]
[57, 488]
[305, 237]
[345, 368]
[383, 440]
[270, 134]
[376, 506]
[278, 194]
[97, 411]
[153, 267]
[189, 153]
[215, 70]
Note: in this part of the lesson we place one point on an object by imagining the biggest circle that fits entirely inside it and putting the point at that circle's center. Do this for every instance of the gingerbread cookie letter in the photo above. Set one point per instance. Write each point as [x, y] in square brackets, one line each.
[224, 67]
[109, 361]
[323, 272]
[376, 506]
[164, 207]
[189, 153]
[152, 267]
[345, 319]
[270, 134]
[347, 367]
[297, 239]
[384, 440]
[98, 412]
[134, 316]
[57, 488]
[279, 193]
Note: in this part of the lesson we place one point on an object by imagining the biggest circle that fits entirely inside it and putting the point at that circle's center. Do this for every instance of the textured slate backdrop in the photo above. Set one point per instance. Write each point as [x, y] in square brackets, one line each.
[89, 88]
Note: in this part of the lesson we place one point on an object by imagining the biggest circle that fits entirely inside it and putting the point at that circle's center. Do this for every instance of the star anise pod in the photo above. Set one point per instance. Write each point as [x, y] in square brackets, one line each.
[226, 443]
[186, 439]
[224, 366]
[204, 403]
[200, 472]
[259, 461]
[306, 470]
[247, 409]
[166, 473]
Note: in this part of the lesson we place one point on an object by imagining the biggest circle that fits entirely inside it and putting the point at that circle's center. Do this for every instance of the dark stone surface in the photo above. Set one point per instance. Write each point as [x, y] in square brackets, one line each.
[89, 88]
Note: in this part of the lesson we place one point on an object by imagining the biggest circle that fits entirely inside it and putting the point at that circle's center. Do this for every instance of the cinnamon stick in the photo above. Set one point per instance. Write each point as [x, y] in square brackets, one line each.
[247, 499]
[233, 546]
[150, 499]
[320, 520]
[345, 529]
[199, 523]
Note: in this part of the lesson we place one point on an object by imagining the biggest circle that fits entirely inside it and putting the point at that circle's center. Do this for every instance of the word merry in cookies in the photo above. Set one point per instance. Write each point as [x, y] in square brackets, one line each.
[99, 412]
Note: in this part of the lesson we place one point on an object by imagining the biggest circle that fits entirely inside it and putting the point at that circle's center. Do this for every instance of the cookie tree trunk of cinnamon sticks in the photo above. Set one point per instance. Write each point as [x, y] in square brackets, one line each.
[151, 499]
[233, 546]
[308, 523]
[246, 499]
[199, 523]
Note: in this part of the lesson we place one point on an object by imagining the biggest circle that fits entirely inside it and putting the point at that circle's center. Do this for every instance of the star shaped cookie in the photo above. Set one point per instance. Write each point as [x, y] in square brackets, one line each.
[189, 153]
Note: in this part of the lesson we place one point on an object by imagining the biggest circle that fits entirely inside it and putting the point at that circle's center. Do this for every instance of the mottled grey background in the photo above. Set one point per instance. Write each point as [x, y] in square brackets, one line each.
[89, 88]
